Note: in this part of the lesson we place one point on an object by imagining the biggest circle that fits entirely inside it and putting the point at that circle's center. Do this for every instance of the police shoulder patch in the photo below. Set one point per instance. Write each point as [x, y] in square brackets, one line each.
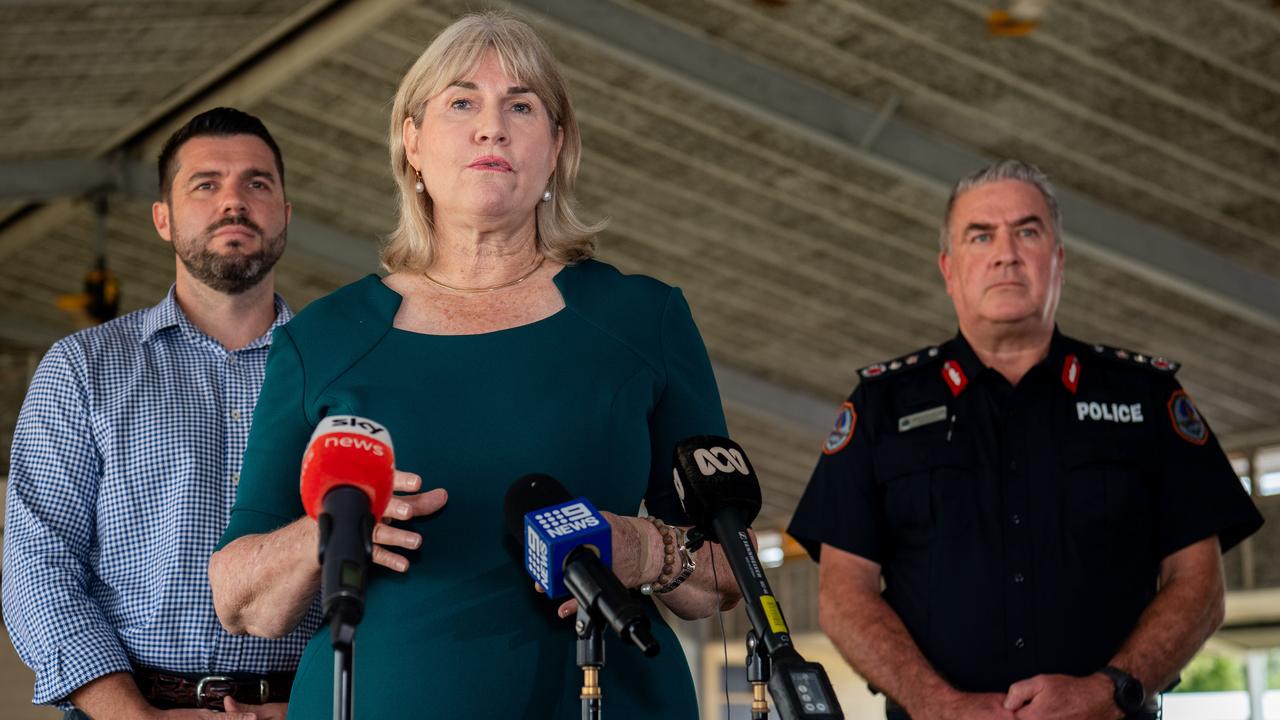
[842, 431]
[909, 361]
[1129, 357]
[1186, 418]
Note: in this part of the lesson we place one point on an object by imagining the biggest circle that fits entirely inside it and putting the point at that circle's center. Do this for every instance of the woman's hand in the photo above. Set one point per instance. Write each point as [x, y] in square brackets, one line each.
[637, 555]
[637, 559]
[404, 507]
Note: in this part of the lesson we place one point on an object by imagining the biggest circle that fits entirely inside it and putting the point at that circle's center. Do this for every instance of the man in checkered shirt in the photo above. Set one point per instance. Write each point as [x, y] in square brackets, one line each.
[127, 454]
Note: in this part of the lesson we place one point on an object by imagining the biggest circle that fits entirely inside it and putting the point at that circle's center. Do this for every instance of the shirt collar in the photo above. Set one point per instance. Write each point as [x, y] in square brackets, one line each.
[167, 314]
[1058, 351]
[962, 352]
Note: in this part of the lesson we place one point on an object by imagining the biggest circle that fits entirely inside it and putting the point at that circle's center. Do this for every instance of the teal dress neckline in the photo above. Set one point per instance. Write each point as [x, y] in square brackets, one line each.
[389, 302]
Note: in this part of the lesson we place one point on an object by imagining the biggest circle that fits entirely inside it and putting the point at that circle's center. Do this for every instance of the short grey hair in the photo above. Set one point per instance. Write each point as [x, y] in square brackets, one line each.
[995, 172]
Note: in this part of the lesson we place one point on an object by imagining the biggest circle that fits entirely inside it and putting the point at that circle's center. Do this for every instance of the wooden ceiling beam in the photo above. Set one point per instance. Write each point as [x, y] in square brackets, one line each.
[797, 103]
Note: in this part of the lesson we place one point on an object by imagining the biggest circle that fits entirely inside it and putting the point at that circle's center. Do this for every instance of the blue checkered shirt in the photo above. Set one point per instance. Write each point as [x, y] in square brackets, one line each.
[123, 473]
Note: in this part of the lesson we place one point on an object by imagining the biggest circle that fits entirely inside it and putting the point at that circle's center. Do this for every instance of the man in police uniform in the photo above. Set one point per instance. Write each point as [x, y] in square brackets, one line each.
[1048, 516]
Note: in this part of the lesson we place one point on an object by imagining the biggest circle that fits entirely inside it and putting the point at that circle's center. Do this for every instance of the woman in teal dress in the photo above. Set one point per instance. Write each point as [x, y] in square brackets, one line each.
[496, 347]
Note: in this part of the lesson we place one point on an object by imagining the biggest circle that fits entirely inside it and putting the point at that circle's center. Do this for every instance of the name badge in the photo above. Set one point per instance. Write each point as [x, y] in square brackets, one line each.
[922, 418]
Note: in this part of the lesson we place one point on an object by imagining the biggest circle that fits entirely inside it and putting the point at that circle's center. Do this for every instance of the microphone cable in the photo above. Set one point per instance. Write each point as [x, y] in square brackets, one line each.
[724, 637]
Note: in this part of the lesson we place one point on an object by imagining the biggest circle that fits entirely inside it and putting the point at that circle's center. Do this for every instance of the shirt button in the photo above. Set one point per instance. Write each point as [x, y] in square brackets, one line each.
[235, 414]
[1017, 578]
[1019, 643]
[231, 359]
[1016, 519]
[235, 478]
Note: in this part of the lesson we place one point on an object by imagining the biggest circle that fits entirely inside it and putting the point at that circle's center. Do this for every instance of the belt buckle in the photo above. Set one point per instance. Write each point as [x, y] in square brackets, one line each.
[201, 687]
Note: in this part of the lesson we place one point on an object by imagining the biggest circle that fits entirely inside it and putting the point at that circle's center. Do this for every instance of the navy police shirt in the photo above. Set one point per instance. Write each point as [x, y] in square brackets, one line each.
[1020, 529]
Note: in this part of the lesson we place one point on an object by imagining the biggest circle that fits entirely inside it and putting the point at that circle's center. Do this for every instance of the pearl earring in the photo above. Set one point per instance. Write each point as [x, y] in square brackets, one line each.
[546, 196]
[419, 187]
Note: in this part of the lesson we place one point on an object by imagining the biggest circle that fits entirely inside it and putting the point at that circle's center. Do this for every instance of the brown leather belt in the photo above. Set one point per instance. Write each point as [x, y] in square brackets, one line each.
[168, 691]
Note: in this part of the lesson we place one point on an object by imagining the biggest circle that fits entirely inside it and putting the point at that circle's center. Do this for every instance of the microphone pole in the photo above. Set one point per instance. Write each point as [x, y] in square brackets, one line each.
[758, 675]
[590, 653]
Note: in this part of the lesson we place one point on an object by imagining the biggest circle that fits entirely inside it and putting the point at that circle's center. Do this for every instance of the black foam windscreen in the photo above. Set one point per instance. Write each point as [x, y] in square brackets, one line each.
[711, 473]
[529, 493]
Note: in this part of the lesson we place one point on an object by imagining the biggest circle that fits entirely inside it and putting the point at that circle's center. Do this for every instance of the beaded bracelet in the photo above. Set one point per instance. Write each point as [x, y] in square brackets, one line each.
[674, 544]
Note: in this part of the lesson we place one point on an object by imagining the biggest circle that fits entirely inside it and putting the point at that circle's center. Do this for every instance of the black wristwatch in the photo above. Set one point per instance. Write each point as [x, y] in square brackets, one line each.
[1130, 696]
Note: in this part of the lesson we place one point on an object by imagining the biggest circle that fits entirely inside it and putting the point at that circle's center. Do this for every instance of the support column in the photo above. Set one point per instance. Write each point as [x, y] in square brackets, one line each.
[1256, 681]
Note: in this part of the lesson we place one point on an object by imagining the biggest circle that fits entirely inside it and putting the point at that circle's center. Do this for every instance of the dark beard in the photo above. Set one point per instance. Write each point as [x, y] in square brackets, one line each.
[229, 274]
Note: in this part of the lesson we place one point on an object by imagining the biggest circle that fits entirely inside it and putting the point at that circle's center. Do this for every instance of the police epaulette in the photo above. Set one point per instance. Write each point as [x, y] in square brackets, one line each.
[1129, 357]
[910, 360]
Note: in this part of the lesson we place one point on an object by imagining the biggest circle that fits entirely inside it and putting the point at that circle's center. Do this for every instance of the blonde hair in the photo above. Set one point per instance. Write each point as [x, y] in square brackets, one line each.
[459, 48]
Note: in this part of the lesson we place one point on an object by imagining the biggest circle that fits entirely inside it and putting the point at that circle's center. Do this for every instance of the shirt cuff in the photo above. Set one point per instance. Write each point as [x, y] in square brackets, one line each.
[78, 660]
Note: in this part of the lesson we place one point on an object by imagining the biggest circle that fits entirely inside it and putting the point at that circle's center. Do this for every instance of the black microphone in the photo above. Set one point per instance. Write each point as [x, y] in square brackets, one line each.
[721, 495]
[563, 540]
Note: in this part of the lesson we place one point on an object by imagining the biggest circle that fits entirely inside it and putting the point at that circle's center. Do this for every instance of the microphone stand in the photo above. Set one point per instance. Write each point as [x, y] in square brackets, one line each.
[590, 632]
[758, 667]
[343, 638]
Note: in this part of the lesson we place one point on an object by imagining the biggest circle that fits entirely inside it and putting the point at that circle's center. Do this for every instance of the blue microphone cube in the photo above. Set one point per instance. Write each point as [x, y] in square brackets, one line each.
[552, 533]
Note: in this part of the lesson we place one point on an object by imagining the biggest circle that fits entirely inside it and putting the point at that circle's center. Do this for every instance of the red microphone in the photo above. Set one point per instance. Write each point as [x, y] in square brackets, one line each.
[346, 484]
[348, 450]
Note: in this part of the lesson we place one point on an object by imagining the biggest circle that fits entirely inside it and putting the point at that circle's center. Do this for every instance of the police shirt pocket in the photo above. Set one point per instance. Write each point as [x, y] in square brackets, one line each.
[1105, 498]
[927, 483]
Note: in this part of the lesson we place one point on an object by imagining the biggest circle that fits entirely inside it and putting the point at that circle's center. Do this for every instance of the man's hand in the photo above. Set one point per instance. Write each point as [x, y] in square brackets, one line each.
[965, 706]
[404, 507]
[1063, 697]
[270, 711]
[187, 714]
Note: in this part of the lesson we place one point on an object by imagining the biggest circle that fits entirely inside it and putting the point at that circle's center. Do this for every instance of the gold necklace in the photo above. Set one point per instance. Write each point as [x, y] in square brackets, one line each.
[507, 284]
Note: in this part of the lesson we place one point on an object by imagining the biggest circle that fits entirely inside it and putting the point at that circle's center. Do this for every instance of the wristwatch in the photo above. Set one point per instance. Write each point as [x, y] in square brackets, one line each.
[1130, 695]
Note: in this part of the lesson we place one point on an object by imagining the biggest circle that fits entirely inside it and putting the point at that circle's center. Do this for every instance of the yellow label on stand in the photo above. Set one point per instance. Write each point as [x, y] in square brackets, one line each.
[772, 612]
